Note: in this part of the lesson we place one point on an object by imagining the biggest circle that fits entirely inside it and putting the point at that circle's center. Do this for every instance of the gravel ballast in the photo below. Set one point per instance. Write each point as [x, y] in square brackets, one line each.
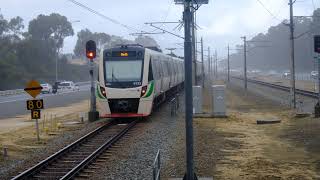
[12, 167]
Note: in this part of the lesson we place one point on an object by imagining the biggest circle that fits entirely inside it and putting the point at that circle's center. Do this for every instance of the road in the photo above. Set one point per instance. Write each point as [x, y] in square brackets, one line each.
[15, 105]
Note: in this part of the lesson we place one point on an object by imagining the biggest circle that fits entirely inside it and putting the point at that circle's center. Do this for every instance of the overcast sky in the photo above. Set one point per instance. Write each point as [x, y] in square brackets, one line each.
[221, 21]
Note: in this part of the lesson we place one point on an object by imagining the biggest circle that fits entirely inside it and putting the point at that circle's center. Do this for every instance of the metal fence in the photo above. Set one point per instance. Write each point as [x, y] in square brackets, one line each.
[156, 167]
[21, 91]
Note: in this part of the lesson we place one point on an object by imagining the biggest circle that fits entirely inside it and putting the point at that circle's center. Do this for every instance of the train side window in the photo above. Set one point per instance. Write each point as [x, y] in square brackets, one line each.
[150, 74]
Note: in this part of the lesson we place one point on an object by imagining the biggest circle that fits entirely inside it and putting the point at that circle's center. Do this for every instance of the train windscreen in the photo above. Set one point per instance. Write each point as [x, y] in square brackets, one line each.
[122, 72]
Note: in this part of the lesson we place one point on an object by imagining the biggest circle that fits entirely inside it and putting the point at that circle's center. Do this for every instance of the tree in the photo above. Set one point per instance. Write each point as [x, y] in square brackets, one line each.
[275, 55]
[32, 54]
[116, 40]
[52, 29]
[3, 25]
[16, 25]
[146, 41]
[101, 39]
[85, 35]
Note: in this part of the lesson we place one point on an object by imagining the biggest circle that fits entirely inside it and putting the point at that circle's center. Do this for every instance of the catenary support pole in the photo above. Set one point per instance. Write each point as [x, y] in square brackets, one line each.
[216, 64]
[209, 66]
[202, 60]
[292, 64]
[318, 59]
[57, 57]
[228, 63]
[245, 61]
[194, 53]
[187, 16]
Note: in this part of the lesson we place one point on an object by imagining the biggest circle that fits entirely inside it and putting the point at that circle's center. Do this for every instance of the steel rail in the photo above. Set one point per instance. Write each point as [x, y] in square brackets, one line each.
[38, 168]
[73, 173]
[281, 87]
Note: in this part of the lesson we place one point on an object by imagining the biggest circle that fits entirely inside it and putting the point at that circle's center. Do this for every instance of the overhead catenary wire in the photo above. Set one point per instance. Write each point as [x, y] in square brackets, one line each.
[314, 7]
[166, 16]
[273, 16]
[103, 16]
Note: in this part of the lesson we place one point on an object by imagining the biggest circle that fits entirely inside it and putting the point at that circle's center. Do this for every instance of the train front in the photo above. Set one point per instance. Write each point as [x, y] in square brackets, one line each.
[123, 89]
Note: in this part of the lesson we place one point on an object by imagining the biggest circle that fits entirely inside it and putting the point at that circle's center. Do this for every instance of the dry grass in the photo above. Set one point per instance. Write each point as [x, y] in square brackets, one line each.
[237, 148]
[22, 140]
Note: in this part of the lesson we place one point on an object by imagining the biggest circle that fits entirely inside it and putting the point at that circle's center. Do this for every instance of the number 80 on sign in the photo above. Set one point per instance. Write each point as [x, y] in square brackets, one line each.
[35, 104]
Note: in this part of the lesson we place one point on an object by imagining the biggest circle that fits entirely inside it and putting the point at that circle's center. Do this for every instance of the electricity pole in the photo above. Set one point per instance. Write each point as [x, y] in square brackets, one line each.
[245, 61]
[202, 62]
[209, 65]
[57, 65]
[216, 64]
[187, 17]
[228, 63]
[293, 81]
[194, 51]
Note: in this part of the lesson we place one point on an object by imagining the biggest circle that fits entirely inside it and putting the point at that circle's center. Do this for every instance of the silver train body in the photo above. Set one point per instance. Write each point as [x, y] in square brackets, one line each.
[133, 79]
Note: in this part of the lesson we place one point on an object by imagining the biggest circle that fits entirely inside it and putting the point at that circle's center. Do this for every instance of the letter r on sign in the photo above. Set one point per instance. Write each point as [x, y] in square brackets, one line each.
[35, 114]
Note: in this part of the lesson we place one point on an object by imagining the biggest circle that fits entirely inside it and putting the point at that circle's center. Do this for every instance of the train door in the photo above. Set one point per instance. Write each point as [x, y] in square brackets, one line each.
[157, 75]
[162, 75]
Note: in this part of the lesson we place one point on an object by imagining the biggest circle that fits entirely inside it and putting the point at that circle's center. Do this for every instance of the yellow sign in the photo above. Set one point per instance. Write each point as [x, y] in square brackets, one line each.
[124, 54]
[33, 88]
[35, 104]
[35, 114]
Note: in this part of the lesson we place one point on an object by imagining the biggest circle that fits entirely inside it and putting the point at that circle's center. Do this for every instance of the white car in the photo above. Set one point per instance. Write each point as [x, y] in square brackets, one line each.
[67, 86]
[314, 74]
[46, 88]
[286, 74]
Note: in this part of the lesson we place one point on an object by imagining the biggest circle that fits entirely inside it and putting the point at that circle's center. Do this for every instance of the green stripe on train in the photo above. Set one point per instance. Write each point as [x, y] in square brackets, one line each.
[150, 90]
[98, 92]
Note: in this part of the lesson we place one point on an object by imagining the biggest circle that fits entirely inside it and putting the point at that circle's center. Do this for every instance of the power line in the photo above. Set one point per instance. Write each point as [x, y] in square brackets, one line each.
[314, 7]
[274, 16]
[166, 16]
[168, 11]
[103, 16]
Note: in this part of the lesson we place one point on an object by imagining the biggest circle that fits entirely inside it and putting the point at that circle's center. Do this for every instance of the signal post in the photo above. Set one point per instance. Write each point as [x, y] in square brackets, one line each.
[91, 54]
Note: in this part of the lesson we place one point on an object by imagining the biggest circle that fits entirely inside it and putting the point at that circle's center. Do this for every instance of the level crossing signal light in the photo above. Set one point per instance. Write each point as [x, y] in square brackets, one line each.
[91, 49]
[317, 43]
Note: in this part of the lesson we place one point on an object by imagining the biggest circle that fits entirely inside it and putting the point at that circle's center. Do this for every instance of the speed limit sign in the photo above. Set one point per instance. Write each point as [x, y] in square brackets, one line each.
[35, 104]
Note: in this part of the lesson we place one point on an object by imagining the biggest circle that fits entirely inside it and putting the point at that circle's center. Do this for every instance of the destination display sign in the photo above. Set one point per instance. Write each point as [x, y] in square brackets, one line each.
[124, 53]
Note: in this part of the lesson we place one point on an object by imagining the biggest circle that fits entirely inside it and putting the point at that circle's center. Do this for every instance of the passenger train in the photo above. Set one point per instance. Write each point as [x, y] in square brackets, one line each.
[132, 80]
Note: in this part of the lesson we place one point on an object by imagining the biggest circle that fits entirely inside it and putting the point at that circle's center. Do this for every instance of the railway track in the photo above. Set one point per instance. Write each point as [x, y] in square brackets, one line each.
[280, 87]
[80, 158]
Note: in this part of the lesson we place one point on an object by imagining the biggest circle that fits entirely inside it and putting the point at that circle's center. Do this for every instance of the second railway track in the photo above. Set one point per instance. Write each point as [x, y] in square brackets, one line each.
[280, 87]
[74, 160]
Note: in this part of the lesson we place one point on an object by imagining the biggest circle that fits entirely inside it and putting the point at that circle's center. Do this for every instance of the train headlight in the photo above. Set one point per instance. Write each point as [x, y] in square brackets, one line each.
[103, 91]
[144, 90]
